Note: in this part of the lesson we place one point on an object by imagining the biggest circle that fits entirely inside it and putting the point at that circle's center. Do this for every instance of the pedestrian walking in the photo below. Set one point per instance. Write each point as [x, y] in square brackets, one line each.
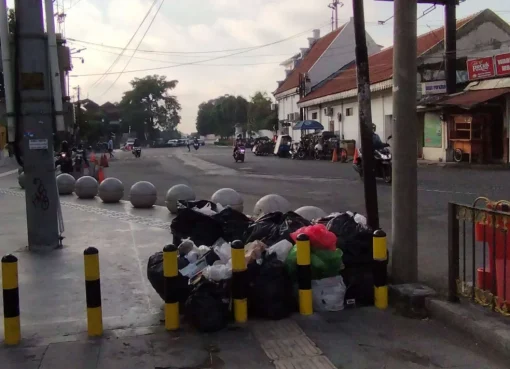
[187, 144]
[110, 148]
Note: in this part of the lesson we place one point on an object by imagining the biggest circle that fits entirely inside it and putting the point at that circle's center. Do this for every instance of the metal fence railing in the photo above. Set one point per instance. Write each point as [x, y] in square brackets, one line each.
[479, 254]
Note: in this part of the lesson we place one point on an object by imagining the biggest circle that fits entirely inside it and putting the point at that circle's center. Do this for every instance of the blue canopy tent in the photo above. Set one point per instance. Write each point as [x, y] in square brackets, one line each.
[305, 125]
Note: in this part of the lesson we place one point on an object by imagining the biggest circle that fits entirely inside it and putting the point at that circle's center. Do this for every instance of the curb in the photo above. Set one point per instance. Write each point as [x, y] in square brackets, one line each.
[488, 330]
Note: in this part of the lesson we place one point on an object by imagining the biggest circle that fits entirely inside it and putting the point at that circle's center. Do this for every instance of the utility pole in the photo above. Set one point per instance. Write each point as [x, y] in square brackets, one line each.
[35, 109]
[365, 115]
[405, 146]
[450, 43]
[335, 4]
[77, 115]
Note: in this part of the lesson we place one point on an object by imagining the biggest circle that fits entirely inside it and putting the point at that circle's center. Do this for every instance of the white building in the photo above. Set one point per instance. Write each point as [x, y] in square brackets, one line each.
[335, 102]
[314, 64]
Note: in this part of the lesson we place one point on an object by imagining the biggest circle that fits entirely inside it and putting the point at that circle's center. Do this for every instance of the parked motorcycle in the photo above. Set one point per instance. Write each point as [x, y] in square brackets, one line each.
[137, 152]
[239, 154]
[383, 167]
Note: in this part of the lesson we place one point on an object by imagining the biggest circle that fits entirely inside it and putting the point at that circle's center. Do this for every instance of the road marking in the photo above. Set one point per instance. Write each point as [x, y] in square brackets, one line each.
[8, 173]
[446, 191]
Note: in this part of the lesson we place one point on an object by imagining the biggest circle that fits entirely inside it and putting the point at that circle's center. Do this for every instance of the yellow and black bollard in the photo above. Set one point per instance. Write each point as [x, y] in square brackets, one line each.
[12, 329]
[171, 275]
[304, 271]
[93, 292]
[380, 255]
[239, 282]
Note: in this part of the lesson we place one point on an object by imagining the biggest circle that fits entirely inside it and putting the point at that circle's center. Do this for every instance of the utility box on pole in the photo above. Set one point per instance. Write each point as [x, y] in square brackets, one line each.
[36, 116]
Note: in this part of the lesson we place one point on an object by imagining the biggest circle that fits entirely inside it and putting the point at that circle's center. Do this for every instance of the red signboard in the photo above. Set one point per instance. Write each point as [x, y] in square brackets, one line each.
[481, 68]
[502, 64]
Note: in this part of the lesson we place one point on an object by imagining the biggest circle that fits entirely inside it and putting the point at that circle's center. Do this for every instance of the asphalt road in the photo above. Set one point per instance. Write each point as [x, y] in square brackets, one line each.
[330, 186]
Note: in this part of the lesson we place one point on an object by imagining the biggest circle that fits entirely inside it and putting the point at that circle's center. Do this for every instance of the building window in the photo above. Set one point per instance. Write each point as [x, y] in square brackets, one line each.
[349, 112]
[314, 115]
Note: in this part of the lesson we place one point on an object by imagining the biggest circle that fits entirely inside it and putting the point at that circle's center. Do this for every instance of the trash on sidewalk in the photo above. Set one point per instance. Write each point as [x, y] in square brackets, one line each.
[340, 243]
[328, 294]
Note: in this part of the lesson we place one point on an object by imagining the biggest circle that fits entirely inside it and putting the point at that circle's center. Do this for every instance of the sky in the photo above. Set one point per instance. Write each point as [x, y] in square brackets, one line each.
[194, 31]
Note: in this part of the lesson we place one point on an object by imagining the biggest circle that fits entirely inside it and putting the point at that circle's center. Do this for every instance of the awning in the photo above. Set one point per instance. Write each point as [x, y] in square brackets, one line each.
[469, 99]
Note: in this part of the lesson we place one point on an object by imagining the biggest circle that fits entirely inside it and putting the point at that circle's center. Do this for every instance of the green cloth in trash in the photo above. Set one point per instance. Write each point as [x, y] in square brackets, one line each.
[324, 263]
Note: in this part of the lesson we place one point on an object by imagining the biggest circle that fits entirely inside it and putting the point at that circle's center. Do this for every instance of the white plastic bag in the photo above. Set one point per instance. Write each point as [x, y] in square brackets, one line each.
[222, 249]
[281, 249]
[328, 294]
[207, 210]
[218, 272]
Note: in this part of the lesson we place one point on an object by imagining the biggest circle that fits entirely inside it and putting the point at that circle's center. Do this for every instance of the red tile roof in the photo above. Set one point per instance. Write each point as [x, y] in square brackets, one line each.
[380, 64]
[317, 49]
[471, 98]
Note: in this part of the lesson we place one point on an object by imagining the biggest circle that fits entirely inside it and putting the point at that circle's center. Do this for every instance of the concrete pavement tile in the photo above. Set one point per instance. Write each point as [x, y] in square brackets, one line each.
[126, 353]
[17, 358]
[78, 355]
[180, 350]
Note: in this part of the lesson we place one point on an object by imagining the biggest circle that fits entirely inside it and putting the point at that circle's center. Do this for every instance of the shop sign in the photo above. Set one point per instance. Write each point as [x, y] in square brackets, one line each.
[502, 64]
[433, 87]
[481, 68]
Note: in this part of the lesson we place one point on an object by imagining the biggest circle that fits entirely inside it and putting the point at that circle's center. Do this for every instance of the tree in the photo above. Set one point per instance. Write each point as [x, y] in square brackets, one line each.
[220, 115]
[260, 114]
[148, 107]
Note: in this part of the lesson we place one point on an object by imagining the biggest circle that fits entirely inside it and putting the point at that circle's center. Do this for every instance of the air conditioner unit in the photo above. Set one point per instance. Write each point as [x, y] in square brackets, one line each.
[328, 112]
[297, 116]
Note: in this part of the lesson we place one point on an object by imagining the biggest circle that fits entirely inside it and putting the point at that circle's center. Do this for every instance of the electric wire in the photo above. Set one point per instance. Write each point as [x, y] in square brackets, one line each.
[137, 46]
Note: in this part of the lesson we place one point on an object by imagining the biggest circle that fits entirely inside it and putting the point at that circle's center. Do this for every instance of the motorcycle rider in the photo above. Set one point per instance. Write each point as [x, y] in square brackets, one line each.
[376, 140]
[65, 162]
[239, 142]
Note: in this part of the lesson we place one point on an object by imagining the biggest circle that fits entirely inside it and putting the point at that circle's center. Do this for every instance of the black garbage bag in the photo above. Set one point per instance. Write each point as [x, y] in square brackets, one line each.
[270, 293]
[157, 280]
[290, 223]
[207, 308]
[200, 228]
[274, 227]
[234, 224]
[181, 204]
[354, 239]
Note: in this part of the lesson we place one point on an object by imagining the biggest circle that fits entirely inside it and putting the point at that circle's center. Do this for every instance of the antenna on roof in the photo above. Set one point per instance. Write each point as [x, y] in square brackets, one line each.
[334, 13]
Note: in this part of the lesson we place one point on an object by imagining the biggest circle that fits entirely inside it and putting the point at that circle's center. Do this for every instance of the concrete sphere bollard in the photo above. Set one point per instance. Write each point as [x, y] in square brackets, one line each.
[65, 184]
[86, 187]
[111, 190]
[176, 193]
[143, 195]
[271, 203]
[21, 179]
[228, 197]
[311, 212]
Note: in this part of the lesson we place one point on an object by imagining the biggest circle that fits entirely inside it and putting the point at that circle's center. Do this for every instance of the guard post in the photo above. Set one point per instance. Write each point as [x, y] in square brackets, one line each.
[380, 273]
[239, 282]
[171, 275]
[12, 329]
[93, 292]
[304, 274]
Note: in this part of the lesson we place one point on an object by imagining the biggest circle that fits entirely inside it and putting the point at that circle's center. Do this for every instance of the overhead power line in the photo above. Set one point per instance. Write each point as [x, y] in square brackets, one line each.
[207, 60]
[124, 49]
[137, 46]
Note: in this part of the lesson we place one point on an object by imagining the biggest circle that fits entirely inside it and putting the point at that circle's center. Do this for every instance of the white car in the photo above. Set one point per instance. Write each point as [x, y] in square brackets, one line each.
[172, 143]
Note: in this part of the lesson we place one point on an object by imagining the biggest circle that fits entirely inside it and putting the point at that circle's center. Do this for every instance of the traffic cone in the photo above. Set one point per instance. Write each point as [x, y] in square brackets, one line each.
[335, 156]
[93, 157]
[355, 158]
[100, 175]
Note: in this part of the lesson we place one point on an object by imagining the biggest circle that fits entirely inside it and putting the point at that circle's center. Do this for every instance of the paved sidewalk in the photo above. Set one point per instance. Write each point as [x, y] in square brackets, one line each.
[52, 302]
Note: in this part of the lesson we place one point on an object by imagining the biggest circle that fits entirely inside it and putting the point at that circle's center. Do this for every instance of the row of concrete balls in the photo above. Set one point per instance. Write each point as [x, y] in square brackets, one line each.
[144, 195]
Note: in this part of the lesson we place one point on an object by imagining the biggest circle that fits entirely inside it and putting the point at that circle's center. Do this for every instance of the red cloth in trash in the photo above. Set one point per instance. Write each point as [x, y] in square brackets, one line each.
[320, 237]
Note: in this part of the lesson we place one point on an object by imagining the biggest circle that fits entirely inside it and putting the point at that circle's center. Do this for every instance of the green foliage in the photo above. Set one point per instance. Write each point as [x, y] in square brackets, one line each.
[149, 108]
[260, 115]
[220, 115]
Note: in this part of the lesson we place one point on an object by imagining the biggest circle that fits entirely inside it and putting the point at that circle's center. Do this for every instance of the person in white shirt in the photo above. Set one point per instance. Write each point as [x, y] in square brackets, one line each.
[110, 147]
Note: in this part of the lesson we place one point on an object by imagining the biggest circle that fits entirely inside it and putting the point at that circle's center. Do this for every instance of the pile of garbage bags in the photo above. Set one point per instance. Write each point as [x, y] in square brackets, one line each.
[338, 242]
